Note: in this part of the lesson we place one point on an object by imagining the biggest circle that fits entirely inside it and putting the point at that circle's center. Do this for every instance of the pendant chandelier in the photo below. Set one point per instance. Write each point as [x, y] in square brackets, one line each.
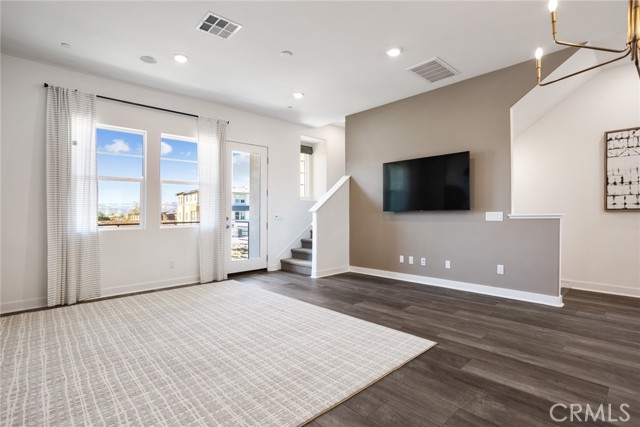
[631, 49]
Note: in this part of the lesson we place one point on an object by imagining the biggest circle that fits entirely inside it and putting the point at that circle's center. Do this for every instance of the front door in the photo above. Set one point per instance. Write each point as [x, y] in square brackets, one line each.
[247, 207]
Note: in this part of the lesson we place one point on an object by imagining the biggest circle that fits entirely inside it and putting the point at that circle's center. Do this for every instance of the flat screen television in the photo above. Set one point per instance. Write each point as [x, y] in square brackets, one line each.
[436, 183]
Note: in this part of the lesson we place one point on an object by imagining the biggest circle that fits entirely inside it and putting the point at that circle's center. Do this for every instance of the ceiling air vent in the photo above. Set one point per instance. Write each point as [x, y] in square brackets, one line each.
[218, 26]
[434, 70]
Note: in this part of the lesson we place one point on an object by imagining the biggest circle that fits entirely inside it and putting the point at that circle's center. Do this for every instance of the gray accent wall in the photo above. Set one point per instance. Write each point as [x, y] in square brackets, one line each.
[471, 115]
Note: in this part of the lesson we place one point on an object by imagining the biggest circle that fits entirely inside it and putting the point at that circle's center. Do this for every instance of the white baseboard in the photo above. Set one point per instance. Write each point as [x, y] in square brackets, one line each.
[274, 266]
[464, 286]
[148, 286]
[10, 307]
[601, 287]
[27, 304]
[331, 271]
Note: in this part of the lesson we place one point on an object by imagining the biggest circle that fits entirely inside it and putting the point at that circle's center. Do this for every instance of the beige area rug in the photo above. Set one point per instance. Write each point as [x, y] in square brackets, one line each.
[222, 354]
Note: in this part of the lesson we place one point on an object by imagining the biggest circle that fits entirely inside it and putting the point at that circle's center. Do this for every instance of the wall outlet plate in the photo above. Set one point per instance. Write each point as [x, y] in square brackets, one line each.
[447, 264]
[410, 260]
[500, 269]
[423, 261]
[401, 258]
[493, 216]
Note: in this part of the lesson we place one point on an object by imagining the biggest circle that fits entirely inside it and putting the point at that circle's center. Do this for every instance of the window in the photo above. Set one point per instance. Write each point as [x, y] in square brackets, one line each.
[305, 171]
[120, 161]
[179, 180]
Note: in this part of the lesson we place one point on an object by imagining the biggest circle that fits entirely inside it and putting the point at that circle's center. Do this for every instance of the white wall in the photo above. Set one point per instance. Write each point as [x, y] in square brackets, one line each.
[558, 167]
[130, 262]
[335, 151]
[331, 231]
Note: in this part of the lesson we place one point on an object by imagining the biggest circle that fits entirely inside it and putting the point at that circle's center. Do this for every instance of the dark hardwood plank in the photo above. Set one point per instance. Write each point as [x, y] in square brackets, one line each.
[366, 402]
[463, 418]
[342, 416]
[498, 362]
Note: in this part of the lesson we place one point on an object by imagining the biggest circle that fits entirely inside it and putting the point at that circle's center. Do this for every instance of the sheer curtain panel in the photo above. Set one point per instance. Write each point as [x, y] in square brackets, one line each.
[214, 192]
[73, 263]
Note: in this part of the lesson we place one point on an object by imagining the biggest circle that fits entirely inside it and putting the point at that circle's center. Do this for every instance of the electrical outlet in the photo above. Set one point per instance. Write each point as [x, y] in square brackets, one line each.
[500, 269]
[410, 260]
[423, 261]
[401, 259]
[447, 264]
[493, 216]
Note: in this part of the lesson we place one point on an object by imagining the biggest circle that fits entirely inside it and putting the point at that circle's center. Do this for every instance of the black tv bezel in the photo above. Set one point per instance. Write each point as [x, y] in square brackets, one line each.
[468, 205]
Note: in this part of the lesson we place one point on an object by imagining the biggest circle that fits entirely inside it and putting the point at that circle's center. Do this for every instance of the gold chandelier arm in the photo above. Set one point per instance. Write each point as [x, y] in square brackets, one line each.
[554, 30]
[584, 46]
[628, 51]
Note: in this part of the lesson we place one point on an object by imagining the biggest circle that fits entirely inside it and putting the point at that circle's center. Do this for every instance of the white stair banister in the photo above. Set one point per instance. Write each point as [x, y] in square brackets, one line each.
[330, 226]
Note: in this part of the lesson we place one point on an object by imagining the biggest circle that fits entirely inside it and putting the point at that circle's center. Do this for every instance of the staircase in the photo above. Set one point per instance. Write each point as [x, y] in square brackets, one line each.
[301, 259]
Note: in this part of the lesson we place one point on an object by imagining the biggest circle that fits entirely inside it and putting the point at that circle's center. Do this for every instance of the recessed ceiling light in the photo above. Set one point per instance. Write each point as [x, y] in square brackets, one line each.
[286, 53]
[298, 95]
[180, 58]
[394, 51]
[65, 45]
[148, 59]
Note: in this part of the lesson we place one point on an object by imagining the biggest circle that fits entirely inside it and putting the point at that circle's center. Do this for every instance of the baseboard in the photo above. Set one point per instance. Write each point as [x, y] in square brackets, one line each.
[273, 267]
[331, 271]
[601, 287]
[30, 304]
[148, 286]
[27, 304]
[464, 286]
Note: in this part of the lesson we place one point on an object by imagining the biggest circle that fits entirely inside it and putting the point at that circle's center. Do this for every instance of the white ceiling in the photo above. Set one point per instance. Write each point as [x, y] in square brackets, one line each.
[339, 59]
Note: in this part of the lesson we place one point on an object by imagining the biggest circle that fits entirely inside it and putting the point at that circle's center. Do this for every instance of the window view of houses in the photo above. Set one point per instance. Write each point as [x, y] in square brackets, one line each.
[120, 166]
[121, 182]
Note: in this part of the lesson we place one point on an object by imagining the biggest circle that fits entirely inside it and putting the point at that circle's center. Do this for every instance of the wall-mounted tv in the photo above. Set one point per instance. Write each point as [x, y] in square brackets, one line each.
[436, 183]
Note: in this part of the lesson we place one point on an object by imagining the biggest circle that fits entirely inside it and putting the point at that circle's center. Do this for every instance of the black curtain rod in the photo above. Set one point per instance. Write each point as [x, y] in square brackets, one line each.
[142, 105]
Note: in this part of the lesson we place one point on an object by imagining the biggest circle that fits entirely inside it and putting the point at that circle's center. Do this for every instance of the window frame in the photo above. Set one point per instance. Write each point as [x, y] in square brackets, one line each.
[161, 182]
[142, 180]
[306, 159]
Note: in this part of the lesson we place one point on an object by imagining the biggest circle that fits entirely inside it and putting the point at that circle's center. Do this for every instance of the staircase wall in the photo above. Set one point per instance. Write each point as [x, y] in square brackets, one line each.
[331, 231]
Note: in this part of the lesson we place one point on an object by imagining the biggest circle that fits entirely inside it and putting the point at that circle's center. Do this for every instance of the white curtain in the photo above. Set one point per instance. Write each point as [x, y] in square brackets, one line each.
[73, 263]
[214, 191]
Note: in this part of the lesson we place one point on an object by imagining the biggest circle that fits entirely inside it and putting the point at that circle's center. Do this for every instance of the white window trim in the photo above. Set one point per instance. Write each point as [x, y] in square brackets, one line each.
[176, 182]
[141, 180]
[307, 177]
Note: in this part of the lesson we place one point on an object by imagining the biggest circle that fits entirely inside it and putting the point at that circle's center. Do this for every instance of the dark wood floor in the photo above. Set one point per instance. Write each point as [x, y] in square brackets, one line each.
[498, 362]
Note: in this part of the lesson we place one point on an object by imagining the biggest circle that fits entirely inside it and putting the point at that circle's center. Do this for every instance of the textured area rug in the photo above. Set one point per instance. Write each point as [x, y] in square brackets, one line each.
[222, 354]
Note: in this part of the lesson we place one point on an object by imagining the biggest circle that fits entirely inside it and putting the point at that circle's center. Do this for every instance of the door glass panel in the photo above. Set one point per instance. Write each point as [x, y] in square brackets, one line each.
[245, 205]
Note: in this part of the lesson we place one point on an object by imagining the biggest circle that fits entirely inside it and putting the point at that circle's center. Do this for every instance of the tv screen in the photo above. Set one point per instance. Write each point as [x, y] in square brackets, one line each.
[436, 183]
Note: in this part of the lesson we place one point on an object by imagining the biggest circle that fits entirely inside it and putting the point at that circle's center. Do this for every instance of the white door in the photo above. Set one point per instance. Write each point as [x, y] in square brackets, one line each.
[247, 207]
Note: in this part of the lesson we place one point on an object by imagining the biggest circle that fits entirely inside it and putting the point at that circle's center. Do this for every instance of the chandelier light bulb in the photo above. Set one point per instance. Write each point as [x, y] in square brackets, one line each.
[553, 5]
[539, 53]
